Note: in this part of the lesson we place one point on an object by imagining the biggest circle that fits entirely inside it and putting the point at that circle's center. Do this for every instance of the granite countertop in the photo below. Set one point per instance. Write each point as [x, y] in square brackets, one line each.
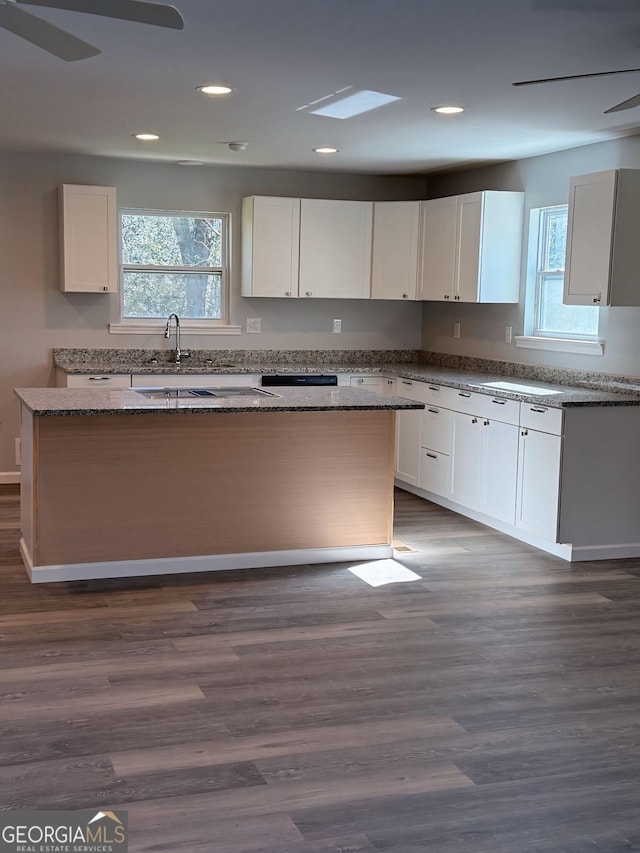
[121, 401]
[575, 388]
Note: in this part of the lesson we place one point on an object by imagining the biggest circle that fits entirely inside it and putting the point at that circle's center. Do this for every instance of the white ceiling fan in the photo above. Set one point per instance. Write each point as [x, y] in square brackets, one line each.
[66, 46]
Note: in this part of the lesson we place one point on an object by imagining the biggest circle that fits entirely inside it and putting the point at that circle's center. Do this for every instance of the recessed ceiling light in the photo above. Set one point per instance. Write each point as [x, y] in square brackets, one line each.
[146, 137]
[189, 163]
[326, 149]
[447, 111]
[214, 89]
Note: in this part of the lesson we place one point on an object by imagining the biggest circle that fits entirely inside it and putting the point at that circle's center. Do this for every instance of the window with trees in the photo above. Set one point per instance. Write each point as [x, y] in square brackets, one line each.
[553, 319]
[174, 261]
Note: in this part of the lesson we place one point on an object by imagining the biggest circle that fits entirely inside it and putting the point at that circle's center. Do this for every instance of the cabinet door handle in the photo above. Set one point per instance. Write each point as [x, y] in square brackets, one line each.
[486, 422]
[405, 295]
[499, 402]
[446, 296]
[474, 420]
[287, 293]
[432, 455]
[434, 411]
[309, 293]
[456, 297]
[538, 409]
[463, 394]
[596, 299]
[525, 432]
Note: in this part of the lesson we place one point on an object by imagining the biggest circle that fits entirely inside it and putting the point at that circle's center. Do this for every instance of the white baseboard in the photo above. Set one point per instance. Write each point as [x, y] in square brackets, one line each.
[207, 563]
[8, 478]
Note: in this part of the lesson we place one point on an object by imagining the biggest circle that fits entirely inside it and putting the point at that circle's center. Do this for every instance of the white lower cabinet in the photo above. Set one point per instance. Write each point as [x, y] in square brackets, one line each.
[499, 470]
[466, 456]
[538, 483]
[408, 432]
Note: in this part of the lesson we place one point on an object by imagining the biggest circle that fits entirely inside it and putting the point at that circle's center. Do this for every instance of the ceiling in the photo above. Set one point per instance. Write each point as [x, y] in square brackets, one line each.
[279, 55]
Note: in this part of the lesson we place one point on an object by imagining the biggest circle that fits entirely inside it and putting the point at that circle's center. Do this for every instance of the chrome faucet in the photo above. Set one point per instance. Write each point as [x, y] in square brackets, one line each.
[167, 334]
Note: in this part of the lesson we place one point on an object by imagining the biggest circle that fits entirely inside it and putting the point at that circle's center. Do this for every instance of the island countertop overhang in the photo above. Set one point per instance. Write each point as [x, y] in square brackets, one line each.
[121, 401]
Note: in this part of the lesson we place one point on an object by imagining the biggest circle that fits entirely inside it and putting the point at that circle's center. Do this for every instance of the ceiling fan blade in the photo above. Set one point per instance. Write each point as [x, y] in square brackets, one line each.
[575, 77]
[45, 35]
[158, 14]
[629, 104]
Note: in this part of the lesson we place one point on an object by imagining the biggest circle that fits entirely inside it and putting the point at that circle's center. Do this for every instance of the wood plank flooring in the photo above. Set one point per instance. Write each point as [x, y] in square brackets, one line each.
[492, 706]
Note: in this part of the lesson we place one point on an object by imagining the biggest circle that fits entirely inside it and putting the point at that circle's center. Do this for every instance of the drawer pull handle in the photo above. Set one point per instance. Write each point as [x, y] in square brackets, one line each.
[432, 455]
[99, 379]
[537, 409]
[405, 382]
[500, 402]
[433, 388]
[463, 394]
[434, 411]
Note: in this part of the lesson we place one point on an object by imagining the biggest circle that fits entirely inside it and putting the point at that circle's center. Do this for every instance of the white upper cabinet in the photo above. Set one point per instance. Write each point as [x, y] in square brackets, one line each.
[335, 249]
[472, 247]
[270, 244]
[603, 249]
[88, 239]
[394, 264]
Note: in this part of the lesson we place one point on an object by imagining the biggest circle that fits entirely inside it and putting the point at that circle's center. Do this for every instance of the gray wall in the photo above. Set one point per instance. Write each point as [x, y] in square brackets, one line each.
[545, 181]
[35, 316]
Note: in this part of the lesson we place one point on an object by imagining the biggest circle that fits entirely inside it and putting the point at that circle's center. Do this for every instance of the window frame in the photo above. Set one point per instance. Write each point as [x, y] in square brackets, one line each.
[537, 337]
[145, 325]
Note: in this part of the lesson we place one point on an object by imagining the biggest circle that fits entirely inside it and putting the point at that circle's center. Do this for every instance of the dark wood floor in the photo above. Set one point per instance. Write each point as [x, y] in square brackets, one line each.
[491, 707]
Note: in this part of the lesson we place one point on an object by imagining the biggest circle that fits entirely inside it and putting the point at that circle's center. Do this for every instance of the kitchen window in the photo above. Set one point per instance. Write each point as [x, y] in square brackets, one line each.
[174, 262]
[551, 324]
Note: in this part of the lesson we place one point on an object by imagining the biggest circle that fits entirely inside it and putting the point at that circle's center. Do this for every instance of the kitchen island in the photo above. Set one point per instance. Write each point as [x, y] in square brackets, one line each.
[115, 484]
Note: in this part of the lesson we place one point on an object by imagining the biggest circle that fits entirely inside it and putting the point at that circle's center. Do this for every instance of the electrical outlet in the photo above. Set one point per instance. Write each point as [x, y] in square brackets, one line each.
[508, 334]
[17, 449]
[456, 329]
[337, 327]
[254, 325]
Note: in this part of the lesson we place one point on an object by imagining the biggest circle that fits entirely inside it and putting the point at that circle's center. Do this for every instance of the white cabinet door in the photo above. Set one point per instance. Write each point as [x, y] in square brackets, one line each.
[603, 250]
[395, 249]
[472, 247]
[388, 387]
[335, 249]
[590, 238]
[270, 246]
[408, 427]
[466, 458]
[499, 470]
[435, 472]
[438, 266]
[538, 483]
[88, 239]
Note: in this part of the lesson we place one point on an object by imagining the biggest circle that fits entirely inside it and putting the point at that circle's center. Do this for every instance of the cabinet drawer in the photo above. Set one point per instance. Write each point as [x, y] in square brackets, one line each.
[467, 402]
[497, 409]
[99, 380]
[434, 472]
[412, 390]
[372, 383]
[195, 380]
[541, 418]
[436, 429]
[439, 395]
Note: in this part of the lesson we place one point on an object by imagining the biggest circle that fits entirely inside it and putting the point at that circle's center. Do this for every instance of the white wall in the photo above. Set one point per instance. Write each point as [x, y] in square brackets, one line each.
[545, 181]
[35, 316]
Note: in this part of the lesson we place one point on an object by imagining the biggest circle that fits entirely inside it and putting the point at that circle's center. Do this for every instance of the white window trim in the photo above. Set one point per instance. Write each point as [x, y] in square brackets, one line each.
[142, 326]
[579, 346]
[187, 327]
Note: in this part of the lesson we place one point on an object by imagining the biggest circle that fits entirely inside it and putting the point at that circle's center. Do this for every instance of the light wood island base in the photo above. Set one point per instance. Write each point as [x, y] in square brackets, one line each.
[118, 495]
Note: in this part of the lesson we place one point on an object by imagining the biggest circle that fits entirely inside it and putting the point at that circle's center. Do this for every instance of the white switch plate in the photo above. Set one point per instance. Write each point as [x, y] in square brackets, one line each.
[456, 329]
[508, 334]
[337, 327]
[254, 325]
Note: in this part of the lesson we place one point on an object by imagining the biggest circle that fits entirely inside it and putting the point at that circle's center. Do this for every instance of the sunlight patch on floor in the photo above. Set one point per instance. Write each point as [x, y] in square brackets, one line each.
[381, 572]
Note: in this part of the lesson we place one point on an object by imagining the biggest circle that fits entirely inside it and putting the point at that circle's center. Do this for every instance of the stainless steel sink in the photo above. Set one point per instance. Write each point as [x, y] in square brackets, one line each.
[202, 393]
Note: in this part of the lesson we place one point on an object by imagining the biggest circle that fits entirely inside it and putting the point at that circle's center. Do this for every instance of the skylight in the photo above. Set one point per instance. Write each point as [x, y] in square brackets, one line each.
[355, 104]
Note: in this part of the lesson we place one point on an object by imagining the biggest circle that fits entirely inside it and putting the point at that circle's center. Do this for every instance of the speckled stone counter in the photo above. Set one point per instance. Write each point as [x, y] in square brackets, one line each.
[89, 401]
[577, 388]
